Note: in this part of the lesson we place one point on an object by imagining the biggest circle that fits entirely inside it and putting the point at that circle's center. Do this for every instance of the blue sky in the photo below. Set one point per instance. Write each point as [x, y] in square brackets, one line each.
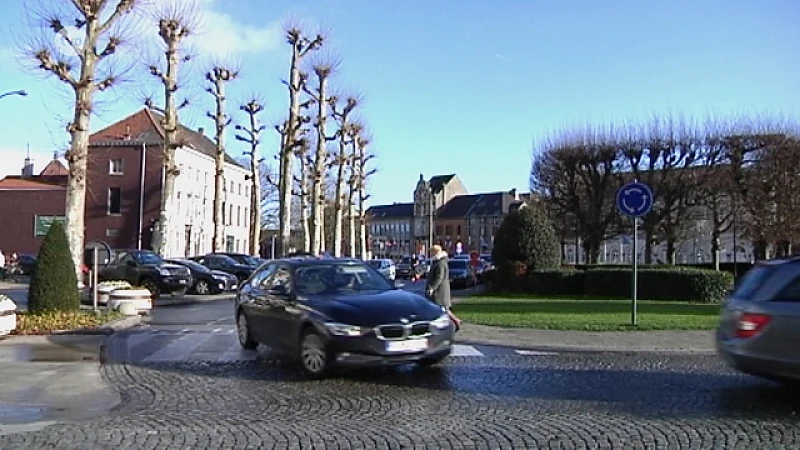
[461, 86]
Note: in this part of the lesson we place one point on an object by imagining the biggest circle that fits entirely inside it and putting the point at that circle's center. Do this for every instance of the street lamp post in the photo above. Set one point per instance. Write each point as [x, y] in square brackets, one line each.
[21, 93]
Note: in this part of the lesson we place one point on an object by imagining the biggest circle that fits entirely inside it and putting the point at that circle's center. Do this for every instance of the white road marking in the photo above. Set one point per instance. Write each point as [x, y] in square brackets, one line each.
[534, 353]
[465, 350]
[236, 353]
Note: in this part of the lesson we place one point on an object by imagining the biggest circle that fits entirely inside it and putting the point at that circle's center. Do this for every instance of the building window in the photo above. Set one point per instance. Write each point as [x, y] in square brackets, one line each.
[116, 167]
[114, 200]
[240, 188]
[230, 215]
[229, 243]
[238, 216]
[247, 217]
[112, 232]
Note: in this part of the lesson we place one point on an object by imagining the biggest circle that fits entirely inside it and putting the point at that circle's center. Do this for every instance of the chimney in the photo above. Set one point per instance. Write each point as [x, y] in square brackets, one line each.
[27, 169]
[514, 194]
[127, 132]
[201, 130]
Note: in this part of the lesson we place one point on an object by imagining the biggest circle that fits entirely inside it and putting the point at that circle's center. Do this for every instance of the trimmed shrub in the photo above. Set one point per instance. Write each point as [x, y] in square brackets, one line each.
[54, 285]
[555, 282]
[526, 237]
[681, 284]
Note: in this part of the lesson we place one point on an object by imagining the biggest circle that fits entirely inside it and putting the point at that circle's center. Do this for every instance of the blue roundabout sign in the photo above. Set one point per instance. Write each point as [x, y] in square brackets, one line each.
[635, 199]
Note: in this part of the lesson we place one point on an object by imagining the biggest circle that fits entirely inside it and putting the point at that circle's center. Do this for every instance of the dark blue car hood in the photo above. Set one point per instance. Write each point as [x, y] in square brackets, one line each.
[370, 310]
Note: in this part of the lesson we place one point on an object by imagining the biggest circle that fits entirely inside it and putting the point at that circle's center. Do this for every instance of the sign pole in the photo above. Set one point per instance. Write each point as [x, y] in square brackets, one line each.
[635, 271]
[94, 279]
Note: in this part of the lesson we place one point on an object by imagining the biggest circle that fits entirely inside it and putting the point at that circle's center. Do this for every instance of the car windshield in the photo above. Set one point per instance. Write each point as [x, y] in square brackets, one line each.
[350, 278]
[405, 260]
[375, 263]
[457, 264]
[248, 260]
[149, 258]
[225, 260]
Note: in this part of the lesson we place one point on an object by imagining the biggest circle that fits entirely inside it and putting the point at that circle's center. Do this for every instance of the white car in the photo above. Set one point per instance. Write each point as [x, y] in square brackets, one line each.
[385, 267]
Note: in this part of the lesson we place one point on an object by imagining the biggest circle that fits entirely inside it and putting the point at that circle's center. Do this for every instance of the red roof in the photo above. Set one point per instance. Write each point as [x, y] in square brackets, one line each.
[54, 169]
[128, 128]
[27, 184]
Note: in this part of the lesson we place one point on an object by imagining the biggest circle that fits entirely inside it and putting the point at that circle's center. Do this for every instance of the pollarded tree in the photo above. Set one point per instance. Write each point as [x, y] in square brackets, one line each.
[251, 134]
[527, 236]
[85, 63]
[54, 285]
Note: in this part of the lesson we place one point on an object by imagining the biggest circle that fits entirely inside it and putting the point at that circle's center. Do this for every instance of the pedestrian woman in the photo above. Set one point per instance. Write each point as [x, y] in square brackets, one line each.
[437, 284]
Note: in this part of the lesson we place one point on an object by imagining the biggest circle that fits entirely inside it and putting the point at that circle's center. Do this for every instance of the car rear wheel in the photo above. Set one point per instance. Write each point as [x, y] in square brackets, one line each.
[201, 287]
[313, 354]
[243, 332]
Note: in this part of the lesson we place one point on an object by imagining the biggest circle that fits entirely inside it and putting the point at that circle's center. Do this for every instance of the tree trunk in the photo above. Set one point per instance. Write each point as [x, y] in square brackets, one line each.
[715, 246]
[255, 202]
[219, 174]
[339, 198]
[648, 246]
[351, 214]
[287, 154]
[318, 188]
[171, 142]
[672, 251]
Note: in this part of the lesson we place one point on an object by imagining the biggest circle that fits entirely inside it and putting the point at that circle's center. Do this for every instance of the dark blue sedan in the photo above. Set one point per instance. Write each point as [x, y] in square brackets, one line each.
[338, 313]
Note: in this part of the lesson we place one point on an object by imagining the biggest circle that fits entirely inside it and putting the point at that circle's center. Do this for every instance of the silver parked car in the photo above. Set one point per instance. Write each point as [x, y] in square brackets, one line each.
[385, 267]
[759, 330]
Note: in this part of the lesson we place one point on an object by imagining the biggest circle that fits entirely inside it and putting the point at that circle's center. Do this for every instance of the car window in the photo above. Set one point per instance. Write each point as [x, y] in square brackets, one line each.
[281, 277]
[791, 292]
[376, 263]
[260, 278]
[752, 281]
[149, 258]
[124, 257]
[326, 279]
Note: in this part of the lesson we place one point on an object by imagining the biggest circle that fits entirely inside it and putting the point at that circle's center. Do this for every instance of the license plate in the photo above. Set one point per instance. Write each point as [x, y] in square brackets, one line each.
[409, 346]
[181, 281]
[234, 286]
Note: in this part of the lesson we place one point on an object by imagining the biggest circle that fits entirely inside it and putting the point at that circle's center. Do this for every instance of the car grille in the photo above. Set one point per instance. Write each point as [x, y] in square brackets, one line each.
[178, 271]
[396, 332]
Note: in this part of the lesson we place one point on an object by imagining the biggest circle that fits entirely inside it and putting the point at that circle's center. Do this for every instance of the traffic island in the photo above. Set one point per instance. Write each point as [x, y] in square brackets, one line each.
[73, 322]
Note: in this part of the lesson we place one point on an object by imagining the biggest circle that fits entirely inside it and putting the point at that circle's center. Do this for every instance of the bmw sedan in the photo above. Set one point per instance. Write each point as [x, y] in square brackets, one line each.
[759, 330]
[339, 313]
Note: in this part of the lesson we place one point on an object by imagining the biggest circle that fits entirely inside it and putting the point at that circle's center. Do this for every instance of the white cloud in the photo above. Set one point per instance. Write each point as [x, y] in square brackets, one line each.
[221, 35]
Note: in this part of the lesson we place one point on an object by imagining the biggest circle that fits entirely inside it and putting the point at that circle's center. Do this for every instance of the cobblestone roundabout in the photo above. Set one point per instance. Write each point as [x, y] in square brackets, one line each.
[566, 401]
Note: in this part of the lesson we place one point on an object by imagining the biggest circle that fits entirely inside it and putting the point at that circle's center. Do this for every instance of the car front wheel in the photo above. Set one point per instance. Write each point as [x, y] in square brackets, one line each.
[313, 354]
[202, 287]
[243, 332]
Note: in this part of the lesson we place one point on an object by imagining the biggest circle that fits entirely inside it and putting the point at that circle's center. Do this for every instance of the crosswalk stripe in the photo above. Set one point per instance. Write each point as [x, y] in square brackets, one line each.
[465, 350]
[179, 348]
[235, 352]
[534, 353]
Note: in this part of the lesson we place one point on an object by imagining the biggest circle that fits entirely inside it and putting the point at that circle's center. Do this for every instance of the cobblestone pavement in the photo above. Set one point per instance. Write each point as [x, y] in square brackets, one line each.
[564, 401]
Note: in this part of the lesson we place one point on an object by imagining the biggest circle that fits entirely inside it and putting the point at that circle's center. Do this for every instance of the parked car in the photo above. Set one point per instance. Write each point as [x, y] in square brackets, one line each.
[147, 269]
[207, 281]
[403, 268]
[339, 313]
[215, 261]
[243, 258]
[759, 329]
[27, 263]
[461, 275]
[385, 267]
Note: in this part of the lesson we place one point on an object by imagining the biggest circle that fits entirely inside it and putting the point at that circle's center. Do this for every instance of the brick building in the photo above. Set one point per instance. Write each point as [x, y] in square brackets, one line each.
[29, 204]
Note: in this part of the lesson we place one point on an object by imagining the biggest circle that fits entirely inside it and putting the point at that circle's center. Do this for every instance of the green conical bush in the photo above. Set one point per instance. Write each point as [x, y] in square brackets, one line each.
[527, 236]
[54, 284]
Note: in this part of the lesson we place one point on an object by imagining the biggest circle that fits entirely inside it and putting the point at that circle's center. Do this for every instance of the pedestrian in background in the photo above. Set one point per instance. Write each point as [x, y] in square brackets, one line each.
[437, 284]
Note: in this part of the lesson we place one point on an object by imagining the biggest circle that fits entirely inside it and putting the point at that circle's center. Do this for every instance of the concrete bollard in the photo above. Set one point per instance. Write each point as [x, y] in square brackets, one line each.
[8, 315]
[127, 309]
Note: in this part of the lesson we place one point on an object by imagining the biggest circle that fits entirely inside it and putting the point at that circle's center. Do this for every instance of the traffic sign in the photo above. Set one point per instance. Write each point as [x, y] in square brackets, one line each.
[635, 199]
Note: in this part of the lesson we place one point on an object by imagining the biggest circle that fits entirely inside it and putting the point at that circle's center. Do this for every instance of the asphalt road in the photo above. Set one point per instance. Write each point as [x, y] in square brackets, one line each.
[187, 384]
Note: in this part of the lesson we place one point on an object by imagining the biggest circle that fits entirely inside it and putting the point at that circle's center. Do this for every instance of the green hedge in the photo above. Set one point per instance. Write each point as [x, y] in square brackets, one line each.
[740, 268]
[670, 283]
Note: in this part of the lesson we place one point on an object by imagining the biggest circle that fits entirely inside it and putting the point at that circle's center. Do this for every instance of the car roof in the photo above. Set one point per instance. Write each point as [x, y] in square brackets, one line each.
[311, 260]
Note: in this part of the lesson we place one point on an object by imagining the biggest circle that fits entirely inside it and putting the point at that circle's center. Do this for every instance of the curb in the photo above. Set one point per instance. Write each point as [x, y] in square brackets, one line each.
[107, 329]
[584, 349]
[160, 303]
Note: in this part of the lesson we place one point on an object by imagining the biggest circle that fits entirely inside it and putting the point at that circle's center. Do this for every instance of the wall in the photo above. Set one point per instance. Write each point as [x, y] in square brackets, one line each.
[121, 231]
[19, 208]
[192, 226]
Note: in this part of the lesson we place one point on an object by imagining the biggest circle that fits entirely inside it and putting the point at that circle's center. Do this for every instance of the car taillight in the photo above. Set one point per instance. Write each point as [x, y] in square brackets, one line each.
[750, 324]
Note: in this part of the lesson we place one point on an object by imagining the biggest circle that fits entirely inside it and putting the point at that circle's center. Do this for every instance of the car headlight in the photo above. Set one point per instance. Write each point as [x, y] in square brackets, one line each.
[163, 272]
[343, 329]
[442, 322]
[219, 277]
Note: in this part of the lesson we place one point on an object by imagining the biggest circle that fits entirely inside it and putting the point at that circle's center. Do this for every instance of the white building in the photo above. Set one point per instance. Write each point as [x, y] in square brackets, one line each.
[192, 225]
